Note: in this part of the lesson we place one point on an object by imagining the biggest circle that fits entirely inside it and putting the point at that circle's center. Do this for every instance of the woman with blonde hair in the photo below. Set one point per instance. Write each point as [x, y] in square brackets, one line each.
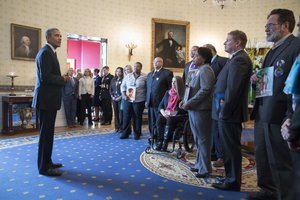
[86, 94]
[169, 113]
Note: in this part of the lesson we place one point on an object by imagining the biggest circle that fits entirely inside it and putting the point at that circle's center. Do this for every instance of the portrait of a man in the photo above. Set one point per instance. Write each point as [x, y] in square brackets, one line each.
[26, 41]
[170, 42]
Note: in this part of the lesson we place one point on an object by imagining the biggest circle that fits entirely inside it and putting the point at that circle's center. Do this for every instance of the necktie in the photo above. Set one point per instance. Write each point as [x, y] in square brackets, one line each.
[154, 73]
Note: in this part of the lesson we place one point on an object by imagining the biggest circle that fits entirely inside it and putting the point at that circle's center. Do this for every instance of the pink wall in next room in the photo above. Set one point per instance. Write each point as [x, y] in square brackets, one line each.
[85, 53]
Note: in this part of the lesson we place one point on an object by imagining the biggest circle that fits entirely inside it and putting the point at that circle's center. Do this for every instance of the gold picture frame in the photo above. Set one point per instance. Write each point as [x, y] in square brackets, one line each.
[162, 46]
[25, 42]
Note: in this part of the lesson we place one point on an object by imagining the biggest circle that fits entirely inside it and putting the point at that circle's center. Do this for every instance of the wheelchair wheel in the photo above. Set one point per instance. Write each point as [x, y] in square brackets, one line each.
[148, 149]
[179, 154]
[188, 140]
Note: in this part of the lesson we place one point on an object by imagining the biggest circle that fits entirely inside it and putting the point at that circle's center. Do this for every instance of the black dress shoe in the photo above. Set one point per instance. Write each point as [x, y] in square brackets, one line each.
[51, 172]
[56, 165]
[193, 169]
[205, 175]
[226, 186]
[124, 136]
[137, 136]
[262, 195]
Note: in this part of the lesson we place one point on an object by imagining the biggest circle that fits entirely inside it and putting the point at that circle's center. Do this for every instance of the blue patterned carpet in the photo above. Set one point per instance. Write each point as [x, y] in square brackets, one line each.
[96, 166]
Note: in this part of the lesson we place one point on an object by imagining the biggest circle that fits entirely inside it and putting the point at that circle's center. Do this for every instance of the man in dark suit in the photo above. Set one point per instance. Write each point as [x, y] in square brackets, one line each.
[47, 99]
[105, 96]
[70, 95]
[189, 65]
[231, 105]
[158, 82]
[168, 52]
[217, 64]
[274, 163]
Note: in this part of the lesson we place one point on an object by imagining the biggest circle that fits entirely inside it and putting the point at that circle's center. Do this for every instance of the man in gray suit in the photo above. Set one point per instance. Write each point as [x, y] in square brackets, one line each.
[230, 107]
[47, 100]
[70, 96]
[274, 164]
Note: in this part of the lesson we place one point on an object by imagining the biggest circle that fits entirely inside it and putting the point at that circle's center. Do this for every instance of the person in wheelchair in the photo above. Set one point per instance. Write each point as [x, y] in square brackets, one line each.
[169, 113]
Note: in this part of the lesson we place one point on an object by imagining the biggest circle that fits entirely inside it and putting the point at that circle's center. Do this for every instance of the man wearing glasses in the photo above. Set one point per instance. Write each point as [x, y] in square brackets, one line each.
[274, 163]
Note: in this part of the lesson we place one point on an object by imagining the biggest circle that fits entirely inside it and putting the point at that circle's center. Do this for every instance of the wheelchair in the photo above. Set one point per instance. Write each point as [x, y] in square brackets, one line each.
[181, 135]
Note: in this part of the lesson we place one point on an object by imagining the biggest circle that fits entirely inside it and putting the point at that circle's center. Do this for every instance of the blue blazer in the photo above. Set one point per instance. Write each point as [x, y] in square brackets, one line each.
[49, 82]
[157, 86]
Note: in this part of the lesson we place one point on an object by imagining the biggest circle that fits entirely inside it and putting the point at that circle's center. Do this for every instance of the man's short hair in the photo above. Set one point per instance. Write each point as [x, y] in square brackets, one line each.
[285, 15]
[106, 67]
[211, 47]
[239, 35]
[50, 31]
[96, 70]
[140, 64]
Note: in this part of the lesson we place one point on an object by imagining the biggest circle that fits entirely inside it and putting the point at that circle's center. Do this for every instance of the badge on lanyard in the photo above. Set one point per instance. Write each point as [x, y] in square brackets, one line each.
[279, 68]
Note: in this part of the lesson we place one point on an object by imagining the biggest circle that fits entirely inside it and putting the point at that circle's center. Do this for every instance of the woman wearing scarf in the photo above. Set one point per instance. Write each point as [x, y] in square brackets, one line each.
[169, 113]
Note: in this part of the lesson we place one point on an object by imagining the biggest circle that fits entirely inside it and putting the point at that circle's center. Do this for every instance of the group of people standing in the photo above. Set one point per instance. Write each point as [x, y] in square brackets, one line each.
[213, 92]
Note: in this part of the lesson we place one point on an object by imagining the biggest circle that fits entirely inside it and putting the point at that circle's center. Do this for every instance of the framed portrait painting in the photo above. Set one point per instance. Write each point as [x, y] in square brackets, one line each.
[25, 42]
[170, 41]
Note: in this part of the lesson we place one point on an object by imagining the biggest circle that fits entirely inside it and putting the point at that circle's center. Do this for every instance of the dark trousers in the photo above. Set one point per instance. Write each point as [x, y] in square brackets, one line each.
[70, 104]
[273, 161]
[79, 111]
[86, 104]
[152, 117]
[171, 122]
[134, 109]
[106, 110]
[47, 124]
[216, 140]
[118, 114]
[231, 144]
[296, 166]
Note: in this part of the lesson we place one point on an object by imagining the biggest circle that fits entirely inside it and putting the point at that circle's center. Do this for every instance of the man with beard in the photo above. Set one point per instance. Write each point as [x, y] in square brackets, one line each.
[274, 163]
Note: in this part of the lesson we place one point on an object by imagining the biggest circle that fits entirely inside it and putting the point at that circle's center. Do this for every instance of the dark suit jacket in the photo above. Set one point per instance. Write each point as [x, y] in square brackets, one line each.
[273, 108]
[217, 64]
[105, 87]
[186, 71]
[233, 83]
[49, 82]
[70, 89]
[157, 85]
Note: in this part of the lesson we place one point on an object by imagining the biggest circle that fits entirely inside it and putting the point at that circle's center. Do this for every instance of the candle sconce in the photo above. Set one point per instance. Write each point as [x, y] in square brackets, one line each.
[12, 75]
[130, 47]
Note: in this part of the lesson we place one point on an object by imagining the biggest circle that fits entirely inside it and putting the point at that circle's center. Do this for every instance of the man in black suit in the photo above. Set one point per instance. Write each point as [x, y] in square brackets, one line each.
[217, 64]
[168, 52]
[105, 96]
[274, 163]
[47, 99]
[231, 105]
[158, 82]
[189, 65]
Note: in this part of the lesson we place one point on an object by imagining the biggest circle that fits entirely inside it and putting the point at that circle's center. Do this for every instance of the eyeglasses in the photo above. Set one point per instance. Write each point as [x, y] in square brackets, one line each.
[270, 25]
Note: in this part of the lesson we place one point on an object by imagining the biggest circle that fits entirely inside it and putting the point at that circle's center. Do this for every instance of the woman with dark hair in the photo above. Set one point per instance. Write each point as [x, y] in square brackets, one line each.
[170, 113]
[198, 102]
[116, 96]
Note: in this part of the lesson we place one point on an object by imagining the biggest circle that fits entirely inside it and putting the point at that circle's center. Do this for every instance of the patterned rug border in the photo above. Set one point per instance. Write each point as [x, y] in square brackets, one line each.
[24, 140]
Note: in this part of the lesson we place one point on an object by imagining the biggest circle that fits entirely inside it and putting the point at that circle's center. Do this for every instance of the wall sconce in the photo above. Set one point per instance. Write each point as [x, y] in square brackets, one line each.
[130, 48]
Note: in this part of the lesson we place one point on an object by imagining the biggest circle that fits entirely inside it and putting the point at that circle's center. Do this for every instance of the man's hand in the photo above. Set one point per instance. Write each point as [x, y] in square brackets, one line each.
[66, 78]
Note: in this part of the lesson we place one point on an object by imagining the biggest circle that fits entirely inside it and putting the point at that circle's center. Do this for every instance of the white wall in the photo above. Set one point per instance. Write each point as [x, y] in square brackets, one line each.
[120, 20]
